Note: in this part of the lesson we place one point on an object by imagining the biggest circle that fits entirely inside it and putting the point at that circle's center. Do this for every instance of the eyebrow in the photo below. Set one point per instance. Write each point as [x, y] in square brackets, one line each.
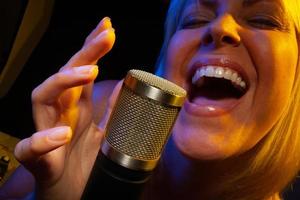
[281, 9]
[208, 3]
[252, 2]
[212, 3]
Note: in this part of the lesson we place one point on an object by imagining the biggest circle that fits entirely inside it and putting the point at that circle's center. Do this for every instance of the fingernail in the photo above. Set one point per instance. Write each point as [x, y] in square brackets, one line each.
[106, 22]
[63, 133]
[107, 19]
[87, 69]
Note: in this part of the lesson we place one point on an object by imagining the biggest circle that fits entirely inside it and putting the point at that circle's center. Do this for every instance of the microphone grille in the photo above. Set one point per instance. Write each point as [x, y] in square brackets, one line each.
[142, 119]
[158, 82]
[140, 126]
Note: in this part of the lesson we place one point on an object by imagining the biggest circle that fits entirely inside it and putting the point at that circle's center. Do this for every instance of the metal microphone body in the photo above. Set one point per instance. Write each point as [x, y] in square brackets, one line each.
[136, 134]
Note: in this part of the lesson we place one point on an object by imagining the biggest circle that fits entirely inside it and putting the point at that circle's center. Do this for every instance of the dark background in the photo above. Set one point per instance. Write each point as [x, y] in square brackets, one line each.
[139, 31]
[139, 34]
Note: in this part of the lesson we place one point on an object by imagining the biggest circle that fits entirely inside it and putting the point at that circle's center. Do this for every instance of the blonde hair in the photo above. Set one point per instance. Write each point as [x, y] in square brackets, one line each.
[173, 15]
[275, 161]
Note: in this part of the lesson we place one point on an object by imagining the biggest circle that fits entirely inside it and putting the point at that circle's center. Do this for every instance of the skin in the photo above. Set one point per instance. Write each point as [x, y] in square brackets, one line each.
[202, 148]
[266, 50]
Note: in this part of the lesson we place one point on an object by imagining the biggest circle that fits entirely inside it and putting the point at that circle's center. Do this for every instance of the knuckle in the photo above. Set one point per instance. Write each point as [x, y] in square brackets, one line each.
[33, 145]
[35, 94]
[17, 151]
[87, 40]
[58, 77]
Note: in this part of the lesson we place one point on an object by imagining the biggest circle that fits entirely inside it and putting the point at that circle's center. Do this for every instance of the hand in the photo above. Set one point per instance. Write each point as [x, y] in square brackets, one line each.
[61, 154]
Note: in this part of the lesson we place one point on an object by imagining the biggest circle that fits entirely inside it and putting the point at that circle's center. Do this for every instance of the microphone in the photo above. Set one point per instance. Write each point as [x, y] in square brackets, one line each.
[136, 134]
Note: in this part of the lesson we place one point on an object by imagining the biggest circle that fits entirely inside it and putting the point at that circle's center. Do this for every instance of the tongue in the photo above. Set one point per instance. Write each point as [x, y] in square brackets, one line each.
[223, 103]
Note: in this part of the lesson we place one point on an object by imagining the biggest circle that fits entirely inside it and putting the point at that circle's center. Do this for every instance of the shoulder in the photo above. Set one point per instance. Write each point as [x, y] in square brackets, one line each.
[101, 93]
[103, 87]
[20, 184]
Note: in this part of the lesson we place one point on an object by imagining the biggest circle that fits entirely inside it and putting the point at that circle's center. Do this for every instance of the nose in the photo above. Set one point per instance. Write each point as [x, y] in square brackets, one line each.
[221, 32]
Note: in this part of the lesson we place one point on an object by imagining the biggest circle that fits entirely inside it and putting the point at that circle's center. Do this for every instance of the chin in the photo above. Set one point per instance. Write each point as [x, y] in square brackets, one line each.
[209, 140]
[197, 146]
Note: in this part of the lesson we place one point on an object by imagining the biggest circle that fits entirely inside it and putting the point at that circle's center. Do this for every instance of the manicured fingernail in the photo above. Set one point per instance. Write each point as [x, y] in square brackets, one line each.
[63, 133]
[106, 22]
[87, 69]
[106, 19]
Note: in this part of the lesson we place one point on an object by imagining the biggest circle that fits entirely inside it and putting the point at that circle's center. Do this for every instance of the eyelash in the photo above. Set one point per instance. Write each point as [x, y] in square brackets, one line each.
[194, 22]
[264, 23]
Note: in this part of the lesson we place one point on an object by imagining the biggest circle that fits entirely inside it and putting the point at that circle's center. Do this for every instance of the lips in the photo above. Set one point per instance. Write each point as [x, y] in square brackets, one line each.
[215, 94]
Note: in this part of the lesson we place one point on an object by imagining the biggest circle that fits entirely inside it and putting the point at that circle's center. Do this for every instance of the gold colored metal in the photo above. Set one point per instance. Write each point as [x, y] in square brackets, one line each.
[127, 161]
[141, 121]
[143, 88]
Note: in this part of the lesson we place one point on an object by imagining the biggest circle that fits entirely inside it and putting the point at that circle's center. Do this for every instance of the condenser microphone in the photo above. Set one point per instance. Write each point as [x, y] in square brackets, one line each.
[136, 134]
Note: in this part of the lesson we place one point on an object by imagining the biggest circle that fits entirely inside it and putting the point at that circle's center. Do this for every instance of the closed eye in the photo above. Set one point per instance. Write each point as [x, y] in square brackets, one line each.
[196, 19]
[267, 23]
[194, 23]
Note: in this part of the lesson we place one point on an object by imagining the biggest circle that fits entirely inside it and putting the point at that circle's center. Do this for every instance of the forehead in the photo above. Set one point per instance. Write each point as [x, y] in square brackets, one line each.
[244, 3]
[287, 8]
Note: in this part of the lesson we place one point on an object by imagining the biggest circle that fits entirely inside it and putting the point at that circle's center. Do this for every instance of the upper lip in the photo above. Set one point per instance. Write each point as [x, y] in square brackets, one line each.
[222, 62]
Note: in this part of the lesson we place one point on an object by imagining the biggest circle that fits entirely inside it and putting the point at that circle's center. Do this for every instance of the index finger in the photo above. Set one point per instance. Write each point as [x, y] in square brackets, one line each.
[94, 48]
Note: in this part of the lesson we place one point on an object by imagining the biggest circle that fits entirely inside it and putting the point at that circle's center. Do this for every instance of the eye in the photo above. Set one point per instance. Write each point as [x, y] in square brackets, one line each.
[191, 22]
[264, 22]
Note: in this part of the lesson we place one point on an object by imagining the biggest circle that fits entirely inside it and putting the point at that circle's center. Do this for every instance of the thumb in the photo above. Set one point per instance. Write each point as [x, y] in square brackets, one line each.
[28, 151]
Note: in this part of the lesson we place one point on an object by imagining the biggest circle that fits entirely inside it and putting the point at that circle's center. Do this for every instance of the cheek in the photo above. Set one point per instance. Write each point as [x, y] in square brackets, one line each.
[275, 59]
[181, 49]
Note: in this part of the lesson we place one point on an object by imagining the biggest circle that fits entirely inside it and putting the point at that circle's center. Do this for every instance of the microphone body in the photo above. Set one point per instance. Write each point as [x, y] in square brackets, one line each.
[136, 134]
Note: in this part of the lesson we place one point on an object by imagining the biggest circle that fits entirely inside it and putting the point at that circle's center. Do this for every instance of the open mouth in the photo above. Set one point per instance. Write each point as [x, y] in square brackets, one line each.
[216, 83]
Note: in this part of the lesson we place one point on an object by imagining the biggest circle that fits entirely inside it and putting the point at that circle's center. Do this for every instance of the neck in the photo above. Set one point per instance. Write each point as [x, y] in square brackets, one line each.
[179, 177]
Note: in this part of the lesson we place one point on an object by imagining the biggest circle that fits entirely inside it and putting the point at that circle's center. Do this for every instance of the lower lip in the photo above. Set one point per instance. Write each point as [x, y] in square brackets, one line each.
[202, 106]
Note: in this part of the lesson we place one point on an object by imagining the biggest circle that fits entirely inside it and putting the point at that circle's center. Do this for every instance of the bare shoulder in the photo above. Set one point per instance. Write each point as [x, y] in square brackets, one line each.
[101, 93]
[20, 184]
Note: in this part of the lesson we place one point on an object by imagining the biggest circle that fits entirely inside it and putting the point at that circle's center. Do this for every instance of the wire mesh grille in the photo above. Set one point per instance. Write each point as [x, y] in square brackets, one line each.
[140, 127]
[158, 82]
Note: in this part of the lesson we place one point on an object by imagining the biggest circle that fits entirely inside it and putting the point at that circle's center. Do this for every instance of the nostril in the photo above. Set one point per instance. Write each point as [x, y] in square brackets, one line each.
[229, 40]
[208, 39]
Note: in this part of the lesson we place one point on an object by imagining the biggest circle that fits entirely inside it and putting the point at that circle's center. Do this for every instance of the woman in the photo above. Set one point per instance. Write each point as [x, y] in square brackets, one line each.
[237, 136]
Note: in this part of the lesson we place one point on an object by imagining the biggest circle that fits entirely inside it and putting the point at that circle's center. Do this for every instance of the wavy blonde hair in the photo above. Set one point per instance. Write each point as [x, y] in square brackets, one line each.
[275, 160]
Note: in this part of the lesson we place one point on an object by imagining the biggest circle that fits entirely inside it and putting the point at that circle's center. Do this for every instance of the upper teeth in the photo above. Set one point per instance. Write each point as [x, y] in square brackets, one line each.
[218, 72]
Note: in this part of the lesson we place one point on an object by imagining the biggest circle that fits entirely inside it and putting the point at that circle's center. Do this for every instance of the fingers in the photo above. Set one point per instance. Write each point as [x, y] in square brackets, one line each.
[51, 89]
[104, 24]
[29, 150]
[97, 44]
